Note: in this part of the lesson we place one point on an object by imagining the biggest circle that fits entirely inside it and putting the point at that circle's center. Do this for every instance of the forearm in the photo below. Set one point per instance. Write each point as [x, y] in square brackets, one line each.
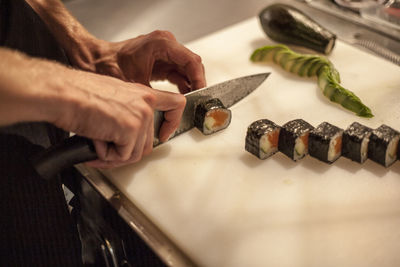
[20, 82]
[80, 46]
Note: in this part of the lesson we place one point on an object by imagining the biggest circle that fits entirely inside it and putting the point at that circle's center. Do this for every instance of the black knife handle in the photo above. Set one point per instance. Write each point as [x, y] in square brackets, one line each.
[71, 151]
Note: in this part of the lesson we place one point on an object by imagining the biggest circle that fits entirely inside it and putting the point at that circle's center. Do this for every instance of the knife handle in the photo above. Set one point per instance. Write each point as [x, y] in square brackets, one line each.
[73, 150]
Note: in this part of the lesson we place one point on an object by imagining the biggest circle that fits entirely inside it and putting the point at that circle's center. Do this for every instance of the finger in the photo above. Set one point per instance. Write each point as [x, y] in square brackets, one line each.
[136, 68]
[173, 105]
[191, 63]
[157, 34]
[180, 81]
[196, 75]
[112, 70]
[137, 152]
[101, 149]
[121, 151]
[148, 147]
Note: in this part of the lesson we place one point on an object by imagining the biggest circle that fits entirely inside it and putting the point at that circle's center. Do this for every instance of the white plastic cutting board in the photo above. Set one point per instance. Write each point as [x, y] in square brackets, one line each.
[225, 207]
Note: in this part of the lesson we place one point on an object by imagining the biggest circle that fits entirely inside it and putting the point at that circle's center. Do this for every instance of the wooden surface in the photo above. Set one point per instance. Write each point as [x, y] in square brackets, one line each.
[225, 207]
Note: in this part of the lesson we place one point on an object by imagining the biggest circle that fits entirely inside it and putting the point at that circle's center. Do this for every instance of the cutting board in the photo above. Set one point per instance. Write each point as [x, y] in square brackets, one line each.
[225, 207]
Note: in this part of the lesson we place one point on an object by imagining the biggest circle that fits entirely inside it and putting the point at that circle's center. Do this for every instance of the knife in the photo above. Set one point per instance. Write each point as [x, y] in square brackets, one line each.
[78, 149]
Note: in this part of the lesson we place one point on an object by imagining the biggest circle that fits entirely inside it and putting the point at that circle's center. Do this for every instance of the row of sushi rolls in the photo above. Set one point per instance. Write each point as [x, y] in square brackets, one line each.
[326, 142]
[297, 138]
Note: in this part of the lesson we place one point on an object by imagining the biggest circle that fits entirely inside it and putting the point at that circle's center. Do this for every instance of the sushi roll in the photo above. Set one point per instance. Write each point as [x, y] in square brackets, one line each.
[293, 139]
[262, 138]
[325, 142]
[383, 143]
[212, 116]
[355, 142]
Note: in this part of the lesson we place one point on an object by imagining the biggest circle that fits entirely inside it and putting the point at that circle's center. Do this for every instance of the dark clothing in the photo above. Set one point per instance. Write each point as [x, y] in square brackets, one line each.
[36, 228]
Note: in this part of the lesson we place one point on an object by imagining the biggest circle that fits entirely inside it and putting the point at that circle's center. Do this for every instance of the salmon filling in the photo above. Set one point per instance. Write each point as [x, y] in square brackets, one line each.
[269, 143]
[216, 118]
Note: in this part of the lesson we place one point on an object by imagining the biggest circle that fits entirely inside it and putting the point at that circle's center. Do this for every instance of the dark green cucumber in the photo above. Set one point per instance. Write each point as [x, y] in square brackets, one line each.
[279, 54]
[303, 71]
[313, 70]
[285, 57]
[286, 24]
[287, 60]
[313, 65]
[298, 64]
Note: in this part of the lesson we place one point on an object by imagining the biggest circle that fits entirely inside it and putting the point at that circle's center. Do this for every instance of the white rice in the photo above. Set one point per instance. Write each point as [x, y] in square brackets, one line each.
[391, 151]
[300, 149]
[332, 154]
[266, 148]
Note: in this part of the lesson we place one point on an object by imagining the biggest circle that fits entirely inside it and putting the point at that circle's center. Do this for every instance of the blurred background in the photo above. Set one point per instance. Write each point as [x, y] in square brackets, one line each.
[115, 20]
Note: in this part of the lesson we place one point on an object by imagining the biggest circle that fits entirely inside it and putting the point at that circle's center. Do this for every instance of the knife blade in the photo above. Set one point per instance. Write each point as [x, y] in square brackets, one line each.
[78, 149]
[229, 92]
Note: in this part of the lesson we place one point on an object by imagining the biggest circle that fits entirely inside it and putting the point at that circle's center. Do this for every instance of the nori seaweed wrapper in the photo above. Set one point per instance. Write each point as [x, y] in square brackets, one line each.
[319, 139]
[378, 143]
[203, 108]
[289, 133]
[254, 133]
[352, 139]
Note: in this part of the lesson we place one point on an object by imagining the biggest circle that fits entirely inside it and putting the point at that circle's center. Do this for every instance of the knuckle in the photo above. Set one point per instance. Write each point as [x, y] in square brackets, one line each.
[162, 34]
[168, 35]
[197, 59]
[155, 33]
[125, 157]
[150, 98]
[148, 150]
[146, 112]
[132, 126]
[135, 157]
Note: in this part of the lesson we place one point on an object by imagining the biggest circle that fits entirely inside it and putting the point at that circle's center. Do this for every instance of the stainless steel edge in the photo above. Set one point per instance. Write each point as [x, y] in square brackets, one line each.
[328, 7]
[353, 29]
[379, 46]
[161, 244]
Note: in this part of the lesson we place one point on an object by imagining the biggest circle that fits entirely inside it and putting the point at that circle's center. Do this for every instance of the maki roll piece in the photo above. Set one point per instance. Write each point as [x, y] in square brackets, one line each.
[212, 116]
[293, 139]
[355, 142]
[382, 147]
[262, 138]
[325, 142]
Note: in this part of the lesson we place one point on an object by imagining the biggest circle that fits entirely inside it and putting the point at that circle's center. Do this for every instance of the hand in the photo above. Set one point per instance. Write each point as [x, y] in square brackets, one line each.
[119, 116]
[155, 56]
[92, 104]
[102, 108]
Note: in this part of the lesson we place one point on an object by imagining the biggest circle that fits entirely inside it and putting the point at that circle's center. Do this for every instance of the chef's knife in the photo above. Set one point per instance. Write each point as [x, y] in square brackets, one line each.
[77, 149]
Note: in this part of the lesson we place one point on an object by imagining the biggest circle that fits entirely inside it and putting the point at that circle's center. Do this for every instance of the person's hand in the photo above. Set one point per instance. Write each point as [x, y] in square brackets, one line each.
[155, 56]
[117, 115]
[148, 57]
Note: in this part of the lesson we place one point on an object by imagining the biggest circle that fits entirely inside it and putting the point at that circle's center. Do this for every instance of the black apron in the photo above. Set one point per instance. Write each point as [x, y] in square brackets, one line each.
[36, 228]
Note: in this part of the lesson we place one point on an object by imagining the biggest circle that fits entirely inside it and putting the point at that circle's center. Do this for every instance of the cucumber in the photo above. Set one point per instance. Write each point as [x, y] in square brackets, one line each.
[288, 61]
[313, 70]
[284, 58]
[311, 65]
[298, 64]
[279, 54]
[267, 54]
[303, 71]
